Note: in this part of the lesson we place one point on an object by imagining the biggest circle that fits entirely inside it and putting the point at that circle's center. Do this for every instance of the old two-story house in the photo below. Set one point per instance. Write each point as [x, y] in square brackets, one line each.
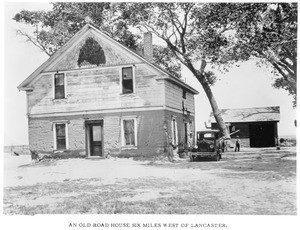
[95, 97]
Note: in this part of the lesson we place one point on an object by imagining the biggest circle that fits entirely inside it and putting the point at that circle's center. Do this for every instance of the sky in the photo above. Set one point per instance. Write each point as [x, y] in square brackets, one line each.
[242, 87]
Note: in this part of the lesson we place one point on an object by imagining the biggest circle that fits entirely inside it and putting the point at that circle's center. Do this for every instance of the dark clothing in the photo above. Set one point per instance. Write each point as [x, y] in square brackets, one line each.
[223, 146]
[237, 145]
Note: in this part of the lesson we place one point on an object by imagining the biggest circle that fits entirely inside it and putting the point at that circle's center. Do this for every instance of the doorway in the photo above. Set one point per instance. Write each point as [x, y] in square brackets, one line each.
[94, 136]
[262, 135]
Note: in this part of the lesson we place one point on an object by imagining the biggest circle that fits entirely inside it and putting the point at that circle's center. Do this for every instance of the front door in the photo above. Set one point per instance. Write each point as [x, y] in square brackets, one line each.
[95, 139]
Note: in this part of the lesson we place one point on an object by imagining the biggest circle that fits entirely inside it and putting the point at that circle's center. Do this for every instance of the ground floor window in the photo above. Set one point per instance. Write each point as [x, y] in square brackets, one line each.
[60, 136]
[129, 132]
[174, 131]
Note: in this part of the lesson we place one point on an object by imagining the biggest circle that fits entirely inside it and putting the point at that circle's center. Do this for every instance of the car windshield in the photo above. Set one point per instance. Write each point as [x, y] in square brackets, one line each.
[206, 142]
[209, 136]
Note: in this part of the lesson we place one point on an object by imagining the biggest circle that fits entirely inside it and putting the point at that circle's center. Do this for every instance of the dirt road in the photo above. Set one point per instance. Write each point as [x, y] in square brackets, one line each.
[254, 181]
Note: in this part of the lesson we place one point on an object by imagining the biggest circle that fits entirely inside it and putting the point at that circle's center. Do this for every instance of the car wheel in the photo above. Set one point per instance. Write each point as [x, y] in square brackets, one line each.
[192, 158]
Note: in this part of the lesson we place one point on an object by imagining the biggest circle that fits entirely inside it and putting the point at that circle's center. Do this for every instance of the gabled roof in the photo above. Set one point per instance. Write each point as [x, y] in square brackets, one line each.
[80, 34]
[249, 114]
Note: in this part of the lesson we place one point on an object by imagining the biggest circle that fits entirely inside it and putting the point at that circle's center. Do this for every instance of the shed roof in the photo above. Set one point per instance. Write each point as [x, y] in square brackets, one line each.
[249, 114]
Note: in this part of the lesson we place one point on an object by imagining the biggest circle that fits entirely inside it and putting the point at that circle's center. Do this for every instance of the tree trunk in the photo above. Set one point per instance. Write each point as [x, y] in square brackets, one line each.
[213, 103]
[215, 108]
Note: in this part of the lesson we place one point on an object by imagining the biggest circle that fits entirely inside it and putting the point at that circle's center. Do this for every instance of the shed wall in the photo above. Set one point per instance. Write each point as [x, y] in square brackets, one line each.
[254, 134]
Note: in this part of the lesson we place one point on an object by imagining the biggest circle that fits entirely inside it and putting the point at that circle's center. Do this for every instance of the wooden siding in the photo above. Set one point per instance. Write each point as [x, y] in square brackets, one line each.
[96, 89]
[174, 99]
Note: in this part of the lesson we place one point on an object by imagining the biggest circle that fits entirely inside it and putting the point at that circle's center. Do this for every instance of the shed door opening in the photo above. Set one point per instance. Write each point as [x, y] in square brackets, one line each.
[94, 139]
[262, 135]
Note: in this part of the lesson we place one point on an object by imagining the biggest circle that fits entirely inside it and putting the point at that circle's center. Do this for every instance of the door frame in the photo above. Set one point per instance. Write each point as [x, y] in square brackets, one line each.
[87, 125]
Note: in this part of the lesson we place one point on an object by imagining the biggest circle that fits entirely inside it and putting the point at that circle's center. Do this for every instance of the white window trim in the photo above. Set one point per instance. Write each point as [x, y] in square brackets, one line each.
[65, 85]
[176, 131]
[54, 134]
[124, 146]
[133, 79]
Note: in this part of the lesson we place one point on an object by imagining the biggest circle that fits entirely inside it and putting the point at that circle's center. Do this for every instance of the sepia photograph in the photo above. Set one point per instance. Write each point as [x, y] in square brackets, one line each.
[161, 115]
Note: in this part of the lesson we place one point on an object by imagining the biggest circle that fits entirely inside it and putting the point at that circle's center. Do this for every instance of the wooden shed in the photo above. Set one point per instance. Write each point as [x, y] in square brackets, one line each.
[258, 126]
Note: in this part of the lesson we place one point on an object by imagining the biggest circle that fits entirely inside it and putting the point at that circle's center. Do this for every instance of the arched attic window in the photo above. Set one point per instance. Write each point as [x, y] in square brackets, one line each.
[91, 54]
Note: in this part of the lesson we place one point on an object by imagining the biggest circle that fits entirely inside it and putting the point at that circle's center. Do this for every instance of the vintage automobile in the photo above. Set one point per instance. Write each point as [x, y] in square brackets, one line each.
[209, 146]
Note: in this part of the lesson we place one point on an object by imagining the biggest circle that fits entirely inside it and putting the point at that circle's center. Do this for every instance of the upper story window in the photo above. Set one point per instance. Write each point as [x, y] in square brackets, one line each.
[59, 86]
[127, 80]
[183, 94]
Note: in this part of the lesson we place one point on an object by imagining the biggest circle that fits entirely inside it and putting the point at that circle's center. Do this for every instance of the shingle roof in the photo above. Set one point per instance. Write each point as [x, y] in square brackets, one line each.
[249, 114]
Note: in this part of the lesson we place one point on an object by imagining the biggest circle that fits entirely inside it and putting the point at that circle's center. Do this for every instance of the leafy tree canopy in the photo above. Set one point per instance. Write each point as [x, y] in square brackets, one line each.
[267, 31]
[54, 28]
[92, 53]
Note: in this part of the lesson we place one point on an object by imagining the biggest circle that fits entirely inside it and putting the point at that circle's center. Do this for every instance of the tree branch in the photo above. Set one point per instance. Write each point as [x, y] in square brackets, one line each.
[287, 64]
[34, 42]
[285, 67]
[292, 85]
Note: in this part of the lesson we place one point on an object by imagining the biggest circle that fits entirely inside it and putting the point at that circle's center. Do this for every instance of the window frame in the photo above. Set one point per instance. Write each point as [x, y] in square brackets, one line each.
[55, 136]
[54, 86]
[174, 131]
[133, 79]
[124, 146]
[183, 93]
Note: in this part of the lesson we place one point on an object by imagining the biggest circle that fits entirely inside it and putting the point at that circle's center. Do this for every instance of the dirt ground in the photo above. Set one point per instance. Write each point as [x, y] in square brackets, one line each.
[252, 182]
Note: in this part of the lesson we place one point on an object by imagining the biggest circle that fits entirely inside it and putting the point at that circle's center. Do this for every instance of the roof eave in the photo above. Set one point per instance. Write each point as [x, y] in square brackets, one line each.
[180, 83]
[53, 56]
[21, 88]
[247, 121]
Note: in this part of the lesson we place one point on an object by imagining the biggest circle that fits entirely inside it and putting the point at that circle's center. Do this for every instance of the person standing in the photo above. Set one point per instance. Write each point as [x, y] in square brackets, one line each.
[237, 144]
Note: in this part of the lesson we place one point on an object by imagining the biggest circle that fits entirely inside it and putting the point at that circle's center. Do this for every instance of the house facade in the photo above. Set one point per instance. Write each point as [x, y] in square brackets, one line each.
[258, 127]
[108, 100]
